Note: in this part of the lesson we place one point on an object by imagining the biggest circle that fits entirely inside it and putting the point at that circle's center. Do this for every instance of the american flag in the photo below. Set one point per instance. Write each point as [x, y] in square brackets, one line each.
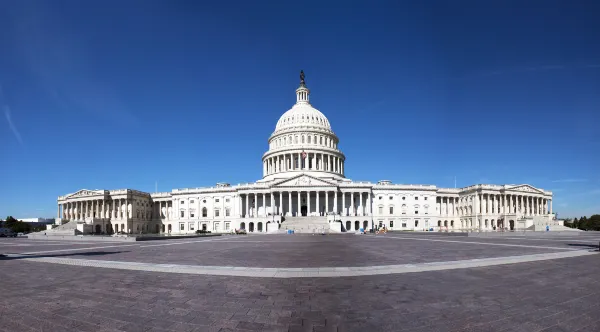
[303, 154]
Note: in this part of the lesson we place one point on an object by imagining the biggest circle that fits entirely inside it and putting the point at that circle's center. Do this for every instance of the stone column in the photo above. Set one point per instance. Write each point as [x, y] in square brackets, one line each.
[521, 206]
[335, 204]
[551, 206]
[246, 213]
[308, 203]
[326, 202]
[360, 204]
[318, 205]
[291, 212]
[299, 204]
[280, 206]
[344, 204]
[352, 209]
[370, 205]
[264, 204]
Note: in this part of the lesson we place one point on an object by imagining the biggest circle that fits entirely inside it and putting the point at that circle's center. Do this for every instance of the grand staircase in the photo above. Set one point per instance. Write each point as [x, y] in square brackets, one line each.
[305, 225]
[69, 228]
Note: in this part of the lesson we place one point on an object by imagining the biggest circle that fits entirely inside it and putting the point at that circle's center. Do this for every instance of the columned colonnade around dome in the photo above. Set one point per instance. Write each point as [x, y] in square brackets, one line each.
[293, 161]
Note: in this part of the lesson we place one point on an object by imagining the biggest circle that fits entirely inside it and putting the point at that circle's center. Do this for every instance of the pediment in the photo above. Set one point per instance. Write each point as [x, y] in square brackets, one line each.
[304, 181]
[526, 188]
[86, 193]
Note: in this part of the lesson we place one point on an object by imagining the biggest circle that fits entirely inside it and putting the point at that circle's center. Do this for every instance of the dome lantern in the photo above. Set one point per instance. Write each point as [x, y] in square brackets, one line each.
[302, 92]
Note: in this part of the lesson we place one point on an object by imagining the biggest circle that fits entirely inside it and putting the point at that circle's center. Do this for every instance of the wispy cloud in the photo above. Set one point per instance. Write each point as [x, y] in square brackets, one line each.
[11, 125]
[569, 180]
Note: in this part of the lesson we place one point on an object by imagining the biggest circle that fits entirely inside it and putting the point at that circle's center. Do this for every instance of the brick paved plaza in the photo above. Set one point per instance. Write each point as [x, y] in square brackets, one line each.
[393, 282]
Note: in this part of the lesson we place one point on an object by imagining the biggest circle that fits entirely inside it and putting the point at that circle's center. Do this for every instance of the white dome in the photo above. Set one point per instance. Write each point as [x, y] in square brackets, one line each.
[303, 115]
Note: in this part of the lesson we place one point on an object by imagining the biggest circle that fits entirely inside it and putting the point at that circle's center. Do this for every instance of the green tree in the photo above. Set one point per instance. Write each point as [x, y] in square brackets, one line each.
[575, 223]
[593, 223]
[16, 225]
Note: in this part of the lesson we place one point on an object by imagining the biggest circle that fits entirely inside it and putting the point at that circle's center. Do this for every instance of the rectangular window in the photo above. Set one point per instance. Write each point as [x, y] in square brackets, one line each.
[216, 227]
[391, 223]
[191, 214]
[425, 198]
[404, 225]
[227, 226]
[182, 214]
[182, 202]
[182, 227]
[227, 200]
[227, 212]
[391, 210]
[380, 197]
[416, 211]
[192, 201]
[191, 226]
[217, 200]
[380, 223]
[381, 210]
[216, 213]
[416, 198]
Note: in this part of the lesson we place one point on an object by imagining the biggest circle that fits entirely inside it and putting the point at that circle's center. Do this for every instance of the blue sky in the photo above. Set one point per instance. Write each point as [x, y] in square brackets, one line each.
[123, 94]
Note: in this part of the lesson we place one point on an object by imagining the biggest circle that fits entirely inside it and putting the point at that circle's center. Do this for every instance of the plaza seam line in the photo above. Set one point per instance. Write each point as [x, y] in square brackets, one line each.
[474, 242]
[113, 246]
[322, 272]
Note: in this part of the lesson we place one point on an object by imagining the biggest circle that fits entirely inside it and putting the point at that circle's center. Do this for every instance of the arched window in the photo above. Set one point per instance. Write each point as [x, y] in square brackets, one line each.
[391, 209]
[204, 212]
[403, 208]
[416, 208]
[321, 140]
[426, 208]
[302, 139]
[381, 210]
[308, 140]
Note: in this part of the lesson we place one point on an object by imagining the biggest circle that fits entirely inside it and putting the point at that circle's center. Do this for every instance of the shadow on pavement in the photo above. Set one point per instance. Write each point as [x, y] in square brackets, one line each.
[592, 246]
[6, 257]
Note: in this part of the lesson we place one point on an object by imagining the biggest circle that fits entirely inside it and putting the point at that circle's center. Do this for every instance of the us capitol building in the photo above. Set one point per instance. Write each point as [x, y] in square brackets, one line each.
[304, 188]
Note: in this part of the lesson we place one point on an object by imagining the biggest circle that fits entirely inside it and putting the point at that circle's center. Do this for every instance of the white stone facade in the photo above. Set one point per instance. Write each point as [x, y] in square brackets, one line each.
[304, 176]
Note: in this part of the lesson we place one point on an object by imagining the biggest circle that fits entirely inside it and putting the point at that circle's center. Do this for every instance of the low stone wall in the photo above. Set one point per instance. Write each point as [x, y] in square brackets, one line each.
[429, 233]
[523, 234]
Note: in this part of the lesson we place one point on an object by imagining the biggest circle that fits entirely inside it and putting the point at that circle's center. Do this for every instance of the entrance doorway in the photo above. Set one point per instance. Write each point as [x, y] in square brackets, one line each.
[512, 225]
[303, 210]
[98, 229]
[251, 227]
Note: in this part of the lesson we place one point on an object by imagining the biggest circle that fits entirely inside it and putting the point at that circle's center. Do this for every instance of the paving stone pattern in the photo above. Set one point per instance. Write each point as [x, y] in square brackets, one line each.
[554, 295]
[558, 295]
[312, 251]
